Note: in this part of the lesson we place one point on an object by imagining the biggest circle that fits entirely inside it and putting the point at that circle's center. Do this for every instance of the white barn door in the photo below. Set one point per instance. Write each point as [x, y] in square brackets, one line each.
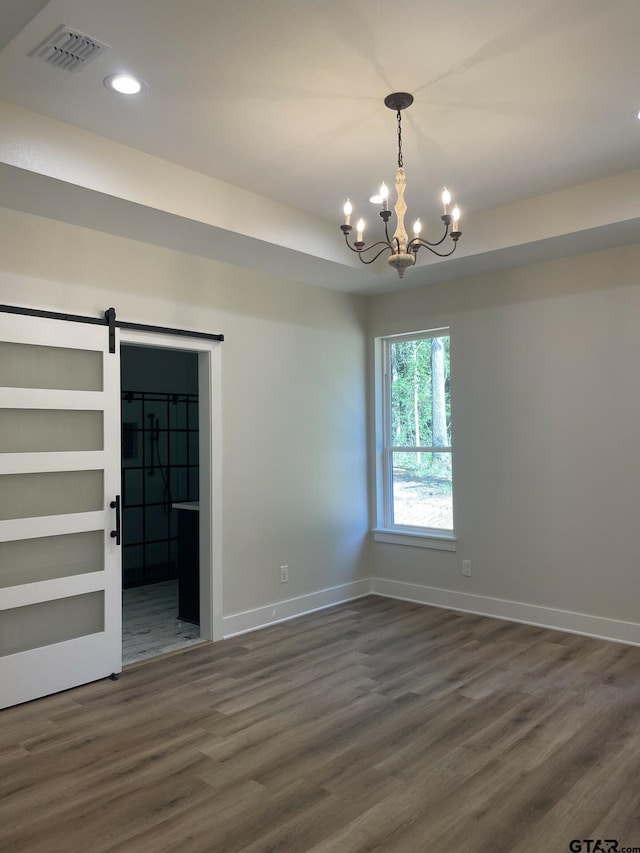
[60, 566]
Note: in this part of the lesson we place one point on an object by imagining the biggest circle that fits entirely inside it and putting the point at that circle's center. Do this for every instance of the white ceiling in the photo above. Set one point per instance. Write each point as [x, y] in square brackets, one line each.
[513, 98]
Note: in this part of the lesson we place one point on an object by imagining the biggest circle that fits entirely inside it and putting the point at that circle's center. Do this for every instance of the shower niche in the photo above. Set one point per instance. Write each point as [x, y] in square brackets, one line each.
[159, 468]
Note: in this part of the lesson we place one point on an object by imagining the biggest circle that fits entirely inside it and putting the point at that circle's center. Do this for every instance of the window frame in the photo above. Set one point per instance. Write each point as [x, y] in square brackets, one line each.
[386, 529]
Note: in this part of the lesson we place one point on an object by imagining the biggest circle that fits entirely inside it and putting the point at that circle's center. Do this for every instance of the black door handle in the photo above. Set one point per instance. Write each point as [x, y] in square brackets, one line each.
[115, 534]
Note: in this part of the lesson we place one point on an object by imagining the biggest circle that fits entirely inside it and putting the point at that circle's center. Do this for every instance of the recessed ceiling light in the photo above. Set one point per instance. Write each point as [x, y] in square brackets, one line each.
[124, 84]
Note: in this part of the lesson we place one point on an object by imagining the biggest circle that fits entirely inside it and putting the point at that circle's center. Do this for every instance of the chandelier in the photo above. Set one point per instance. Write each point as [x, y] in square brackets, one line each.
[404, 251]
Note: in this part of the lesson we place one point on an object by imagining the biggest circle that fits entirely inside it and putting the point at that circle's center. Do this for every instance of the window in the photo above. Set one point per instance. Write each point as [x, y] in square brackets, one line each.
[416, 456]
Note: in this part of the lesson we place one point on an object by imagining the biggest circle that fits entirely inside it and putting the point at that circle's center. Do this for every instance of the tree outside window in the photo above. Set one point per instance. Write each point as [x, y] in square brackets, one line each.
[417, 441]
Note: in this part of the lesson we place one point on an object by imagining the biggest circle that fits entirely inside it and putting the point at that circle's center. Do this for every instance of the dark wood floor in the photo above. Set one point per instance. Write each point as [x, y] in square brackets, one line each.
[377, 725]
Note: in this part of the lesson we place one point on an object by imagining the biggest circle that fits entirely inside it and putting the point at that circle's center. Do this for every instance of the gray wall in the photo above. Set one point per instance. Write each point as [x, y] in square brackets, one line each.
[293, 392]
[545, 413]
[545, 362]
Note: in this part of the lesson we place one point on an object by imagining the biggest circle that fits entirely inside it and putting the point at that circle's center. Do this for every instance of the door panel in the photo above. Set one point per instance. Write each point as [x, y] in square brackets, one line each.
[60, 568]
[50, 493]
[22, 430]
[28, 365]
[47, 622]
[45, 558]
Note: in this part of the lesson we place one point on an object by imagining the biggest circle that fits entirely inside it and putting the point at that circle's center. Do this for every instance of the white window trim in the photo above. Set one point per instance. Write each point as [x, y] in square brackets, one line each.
[416, 538]
[419, 537]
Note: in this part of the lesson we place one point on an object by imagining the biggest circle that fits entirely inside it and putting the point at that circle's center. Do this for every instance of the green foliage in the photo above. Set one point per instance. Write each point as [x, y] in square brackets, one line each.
[419, 389]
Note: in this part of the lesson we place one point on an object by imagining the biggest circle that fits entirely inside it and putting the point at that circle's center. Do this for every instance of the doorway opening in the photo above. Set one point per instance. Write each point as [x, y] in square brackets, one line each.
[160, 484]
[171, 493]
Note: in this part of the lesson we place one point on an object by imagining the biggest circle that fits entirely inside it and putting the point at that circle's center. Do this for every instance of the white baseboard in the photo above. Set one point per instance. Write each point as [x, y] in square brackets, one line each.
[513, 611]
[290, 608]
[481, 605]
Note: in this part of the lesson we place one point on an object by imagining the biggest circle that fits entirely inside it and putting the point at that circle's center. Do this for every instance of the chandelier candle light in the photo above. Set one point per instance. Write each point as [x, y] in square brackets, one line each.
[403, 250]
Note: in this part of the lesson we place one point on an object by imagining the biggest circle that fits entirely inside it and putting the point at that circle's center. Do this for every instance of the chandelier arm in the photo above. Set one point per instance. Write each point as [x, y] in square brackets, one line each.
[383, 243]
[416, 242]
[441, 254]
[420, 241]
[385, 247]
[349, 246]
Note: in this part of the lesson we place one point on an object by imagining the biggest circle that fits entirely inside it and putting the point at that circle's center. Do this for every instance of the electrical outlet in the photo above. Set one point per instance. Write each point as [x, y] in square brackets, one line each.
[284, 574]
[466, 568]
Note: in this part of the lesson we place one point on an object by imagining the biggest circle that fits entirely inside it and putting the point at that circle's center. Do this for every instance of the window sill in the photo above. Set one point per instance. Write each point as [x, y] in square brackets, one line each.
[444, 542]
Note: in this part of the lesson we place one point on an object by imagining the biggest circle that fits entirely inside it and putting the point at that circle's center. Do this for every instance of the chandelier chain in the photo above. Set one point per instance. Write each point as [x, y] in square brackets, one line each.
[399, 140]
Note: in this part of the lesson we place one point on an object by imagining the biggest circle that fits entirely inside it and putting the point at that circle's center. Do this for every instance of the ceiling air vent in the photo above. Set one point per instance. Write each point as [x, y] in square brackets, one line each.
[65, 48]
